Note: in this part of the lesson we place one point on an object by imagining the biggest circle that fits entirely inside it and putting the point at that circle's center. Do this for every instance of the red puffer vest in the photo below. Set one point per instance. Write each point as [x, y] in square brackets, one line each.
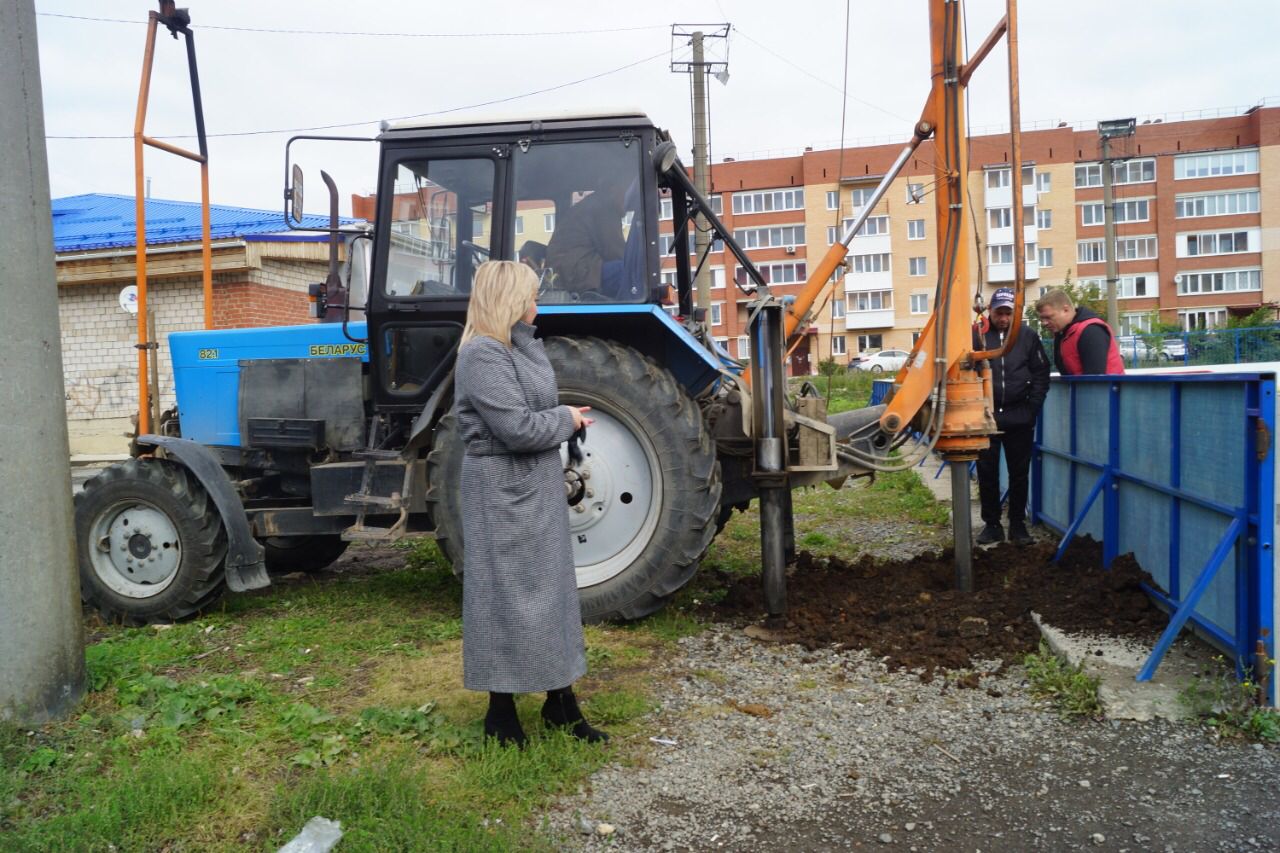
[1070, 348]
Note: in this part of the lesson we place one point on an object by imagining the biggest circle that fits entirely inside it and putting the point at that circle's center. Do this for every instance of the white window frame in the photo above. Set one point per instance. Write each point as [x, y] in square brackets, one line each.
[519, 225]
[873, 300]
[839, 345]
[1210, 243]
[863, 264]
[549, 223]
[915, 229]
[1210, 318]
[1088, 175]
[1135, 248]
[917, 266]
[770, 236]
[1123, 172]
[768, 201]
[717, 313]
[837, 307]
[1200, 205]
[1044, 257]
[915, 193]
[744, 347]
[874, 226]
[1215, 164]
[1091, 251]
[777, 272]
[1044, 217]
[865, 342]
[1201, 282]
[1044, 182]
[919, 303]
[999, 217]
[1000, 253]
[833, 199]
[859, 196]
[1141, 319]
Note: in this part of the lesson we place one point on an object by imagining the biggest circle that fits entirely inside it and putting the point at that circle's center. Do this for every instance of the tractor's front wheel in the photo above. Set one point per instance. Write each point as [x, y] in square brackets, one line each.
[149, 542]
[652, 480]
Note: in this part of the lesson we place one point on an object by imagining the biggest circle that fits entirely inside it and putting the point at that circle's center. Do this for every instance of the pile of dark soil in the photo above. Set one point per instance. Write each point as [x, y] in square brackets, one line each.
[910, 614]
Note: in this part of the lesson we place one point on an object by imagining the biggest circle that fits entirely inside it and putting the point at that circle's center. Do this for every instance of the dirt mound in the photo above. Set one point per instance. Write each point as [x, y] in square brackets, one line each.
[909, 612]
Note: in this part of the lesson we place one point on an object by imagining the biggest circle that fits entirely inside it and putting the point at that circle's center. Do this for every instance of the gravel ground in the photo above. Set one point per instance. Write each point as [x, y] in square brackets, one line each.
[778, 748]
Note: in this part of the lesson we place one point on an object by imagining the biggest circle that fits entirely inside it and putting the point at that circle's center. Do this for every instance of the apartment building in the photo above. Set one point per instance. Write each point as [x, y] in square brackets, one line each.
[1197, 206]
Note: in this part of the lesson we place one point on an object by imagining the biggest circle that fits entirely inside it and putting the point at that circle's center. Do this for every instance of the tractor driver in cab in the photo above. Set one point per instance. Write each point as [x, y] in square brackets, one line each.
[589, 252]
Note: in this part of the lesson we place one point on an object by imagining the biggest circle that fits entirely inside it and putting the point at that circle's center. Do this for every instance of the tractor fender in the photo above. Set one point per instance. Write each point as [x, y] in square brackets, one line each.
[246, 567]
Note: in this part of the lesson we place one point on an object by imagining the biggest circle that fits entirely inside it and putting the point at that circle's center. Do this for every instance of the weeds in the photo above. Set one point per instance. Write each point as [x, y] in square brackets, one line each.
[1233, 707]
[1072, 692]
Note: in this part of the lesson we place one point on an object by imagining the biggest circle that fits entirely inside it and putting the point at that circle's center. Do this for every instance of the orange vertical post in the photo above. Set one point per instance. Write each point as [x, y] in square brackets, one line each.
[140, 238]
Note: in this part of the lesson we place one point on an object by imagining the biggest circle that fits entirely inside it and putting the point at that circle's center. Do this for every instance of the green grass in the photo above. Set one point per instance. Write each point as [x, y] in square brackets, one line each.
[1072, 692]
[1234, 708]
[843, 391]
[339, 696]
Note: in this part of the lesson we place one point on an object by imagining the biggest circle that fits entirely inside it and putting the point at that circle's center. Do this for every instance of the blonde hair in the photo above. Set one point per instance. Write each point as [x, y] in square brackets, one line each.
[1054, 299]
[501, 294]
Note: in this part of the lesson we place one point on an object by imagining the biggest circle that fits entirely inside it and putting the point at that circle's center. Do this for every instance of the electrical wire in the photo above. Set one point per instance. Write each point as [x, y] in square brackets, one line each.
[335, 126]
[370, 34]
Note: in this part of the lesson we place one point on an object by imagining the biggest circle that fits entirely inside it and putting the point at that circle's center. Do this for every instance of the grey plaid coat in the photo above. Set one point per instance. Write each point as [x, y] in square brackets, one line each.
[521, 620]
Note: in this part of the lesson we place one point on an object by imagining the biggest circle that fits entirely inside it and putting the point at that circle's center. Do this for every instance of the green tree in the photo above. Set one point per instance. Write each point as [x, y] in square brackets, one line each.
[1088, 295]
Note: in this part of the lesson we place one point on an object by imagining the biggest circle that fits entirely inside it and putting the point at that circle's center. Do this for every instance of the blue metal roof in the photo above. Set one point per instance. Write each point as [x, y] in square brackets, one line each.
[99, 221]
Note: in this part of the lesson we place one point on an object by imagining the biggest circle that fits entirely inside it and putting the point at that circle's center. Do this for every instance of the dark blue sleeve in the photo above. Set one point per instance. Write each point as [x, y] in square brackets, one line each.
[1095, 343]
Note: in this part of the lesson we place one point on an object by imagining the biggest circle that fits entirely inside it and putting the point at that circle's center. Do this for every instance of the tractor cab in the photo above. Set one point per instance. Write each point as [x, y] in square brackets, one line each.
[574, 198]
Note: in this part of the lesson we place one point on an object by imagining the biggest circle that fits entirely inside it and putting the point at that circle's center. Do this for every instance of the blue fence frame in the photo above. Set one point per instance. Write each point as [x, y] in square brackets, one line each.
[1185, 468]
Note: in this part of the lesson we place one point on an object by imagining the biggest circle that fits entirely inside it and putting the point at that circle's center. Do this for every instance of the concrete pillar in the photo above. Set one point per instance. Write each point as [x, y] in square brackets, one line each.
[41, 637]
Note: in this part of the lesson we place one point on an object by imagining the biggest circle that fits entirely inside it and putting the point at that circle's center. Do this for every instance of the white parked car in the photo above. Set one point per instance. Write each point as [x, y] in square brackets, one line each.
[1132, 346]
[885, 361]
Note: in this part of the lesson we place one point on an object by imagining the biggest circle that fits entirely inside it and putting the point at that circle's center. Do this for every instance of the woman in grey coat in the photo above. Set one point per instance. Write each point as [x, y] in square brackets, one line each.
[521, 623]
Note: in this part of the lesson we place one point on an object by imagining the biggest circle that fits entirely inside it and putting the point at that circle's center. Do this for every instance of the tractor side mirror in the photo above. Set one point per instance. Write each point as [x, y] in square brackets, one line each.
[295, 195]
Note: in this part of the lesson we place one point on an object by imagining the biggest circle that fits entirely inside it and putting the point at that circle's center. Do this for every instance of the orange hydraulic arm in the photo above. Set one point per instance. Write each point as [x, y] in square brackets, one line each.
[177, 21]
[941, 371]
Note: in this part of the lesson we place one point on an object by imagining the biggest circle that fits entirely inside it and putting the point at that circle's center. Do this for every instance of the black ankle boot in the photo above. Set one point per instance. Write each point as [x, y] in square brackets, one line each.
[561, 709]
[501, 721]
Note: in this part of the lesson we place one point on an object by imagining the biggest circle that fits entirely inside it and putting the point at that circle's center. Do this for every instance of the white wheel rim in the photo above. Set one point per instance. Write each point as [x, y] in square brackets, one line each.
[134, 549]
[623, 476]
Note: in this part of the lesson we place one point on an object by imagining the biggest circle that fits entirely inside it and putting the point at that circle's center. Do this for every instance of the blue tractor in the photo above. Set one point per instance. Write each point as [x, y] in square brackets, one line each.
[289, 443]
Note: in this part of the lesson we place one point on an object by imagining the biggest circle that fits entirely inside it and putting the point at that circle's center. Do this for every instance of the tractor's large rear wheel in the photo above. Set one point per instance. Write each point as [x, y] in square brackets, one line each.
[308, 554]
[149, 542]
[653, 480]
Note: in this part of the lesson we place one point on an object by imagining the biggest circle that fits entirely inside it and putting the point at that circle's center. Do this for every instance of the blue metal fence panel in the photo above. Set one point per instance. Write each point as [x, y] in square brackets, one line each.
[1179, 470]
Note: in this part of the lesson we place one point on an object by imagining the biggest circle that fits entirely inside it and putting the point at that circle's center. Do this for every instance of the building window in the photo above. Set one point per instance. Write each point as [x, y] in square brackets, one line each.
[477, 227]
[833, 199]
[1091, 251]
[519, 225]
[1212, 165]
[837, 308]
[915, 336]
[915, 229]
[1044, 218]
[838, 346]
[1088, 175]
[1218, 243]
[919, 303]
[871, 300]
[1138, 210]
[917, 266]
[788, 272]
[1203, 318]
[859, 197]
[1135, 286]
[768, 200]
[549, 222]
[870, 263]
[668, 278]
[666, 211]
[915, 192]
[764, 238]
[1135, 324]
[717, 312]
[999, 217]
[1134, 171]
[870, 342]
[997, 178]
[831, 235]
[1043, 182]
[1135, 248]
[873, 227]
[744, 347]
[1216, 204]
[1045, 257]
[1219, 281]
[666, 244]
[1000, 254]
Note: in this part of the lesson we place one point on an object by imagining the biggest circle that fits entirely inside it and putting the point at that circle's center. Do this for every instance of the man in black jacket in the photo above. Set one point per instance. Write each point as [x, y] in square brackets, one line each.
[1020, 382]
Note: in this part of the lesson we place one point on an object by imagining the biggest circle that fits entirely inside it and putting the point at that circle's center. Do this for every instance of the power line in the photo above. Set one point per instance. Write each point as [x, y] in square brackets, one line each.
[824, 82]
[313, 128]
[369, 34]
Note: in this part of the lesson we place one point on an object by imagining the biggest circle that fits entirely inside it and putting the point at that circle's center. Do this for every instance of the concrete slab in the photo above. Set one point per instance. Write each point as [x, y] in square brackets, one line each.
[1116, 663]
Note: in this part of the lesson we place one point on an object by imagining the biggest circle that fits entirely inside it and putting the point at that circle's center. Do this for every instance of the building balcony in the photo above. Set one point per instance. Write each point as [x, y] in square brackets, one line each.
[875, 245]
[1002, 196]
[882, 319]
[1004, 272]
[861, 281]
[997, 236]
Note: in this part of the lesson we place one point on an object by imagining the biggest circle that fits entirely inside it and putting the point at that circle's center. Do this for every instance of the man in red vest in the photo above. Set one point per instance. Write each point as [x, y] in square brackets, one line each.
[1083, 343]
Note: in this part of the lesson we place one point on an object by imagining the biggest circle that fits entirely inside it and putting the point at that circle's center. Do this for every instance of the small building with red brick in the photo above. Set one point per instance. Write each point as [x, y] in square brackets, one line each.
[261, 270]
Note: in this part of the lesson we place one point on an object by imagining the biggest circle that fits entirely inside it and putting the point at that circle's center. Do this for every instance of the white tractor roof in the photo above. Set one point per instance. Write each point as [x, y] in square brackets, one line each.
[475, 119]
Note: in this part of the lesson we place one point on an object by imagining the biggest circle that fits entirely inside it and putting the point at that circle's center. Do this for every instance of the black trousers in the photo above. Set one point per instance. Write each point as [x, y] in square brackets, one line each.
[1016, 442]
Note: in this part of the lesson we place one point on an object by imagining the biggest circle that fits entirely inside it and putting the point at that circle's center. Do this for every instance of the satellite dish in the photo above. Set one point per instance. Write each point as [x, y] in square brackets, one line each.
[129, 299]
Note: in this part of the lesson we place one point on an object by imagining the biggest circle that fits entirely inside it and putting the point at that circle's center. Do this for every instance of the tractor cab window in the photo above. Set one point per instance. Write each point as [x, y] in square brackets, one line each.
[580, 221]
[441, 222]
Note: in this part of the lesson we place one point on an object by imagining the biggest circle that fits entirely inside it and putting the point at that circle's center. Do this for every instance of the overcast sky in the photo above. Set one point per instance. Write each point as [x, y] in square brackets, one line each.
[1081, 60]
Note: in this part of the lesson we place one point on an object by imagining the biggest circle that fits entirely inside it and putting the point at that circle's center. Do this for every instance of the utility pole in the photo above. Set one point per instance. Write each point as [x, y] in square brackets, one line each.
[41, 638]
[702, 281]
[698, 67]
[1109, 130]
